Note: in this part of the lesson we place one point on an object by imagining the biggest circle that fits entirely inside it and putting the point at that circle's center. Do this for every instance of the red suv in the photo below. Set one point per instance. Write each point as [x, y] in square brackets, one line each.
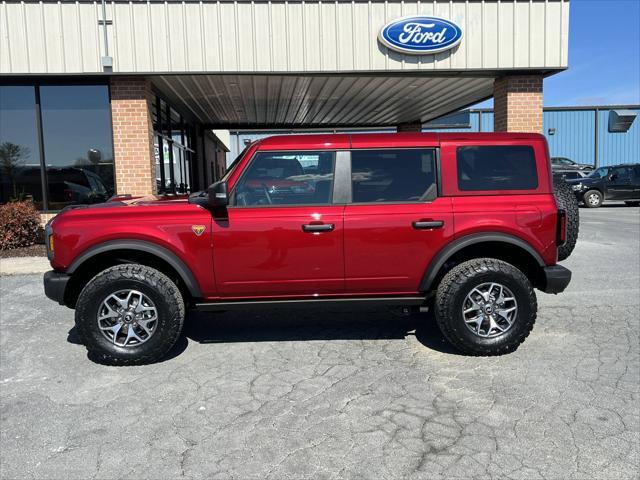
[466, 224]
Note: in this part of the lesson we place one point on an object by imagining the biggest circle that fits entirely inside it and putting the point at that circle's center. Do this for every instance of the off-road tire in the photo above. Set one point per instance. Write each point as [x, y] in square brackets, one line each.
[589, 204]
[453, 290]
[154, 284]
[568, 202]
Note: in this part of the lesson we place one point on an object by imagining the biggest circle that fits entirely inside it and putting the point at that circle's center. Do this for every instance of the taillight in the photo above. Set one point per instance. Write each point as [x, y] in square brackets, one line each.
[561, 234]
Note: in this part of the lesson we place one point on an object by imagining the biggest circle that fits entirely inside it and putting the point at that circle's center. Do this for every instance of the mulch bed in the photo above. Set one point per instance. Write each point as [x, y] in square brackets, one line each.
[38, 250]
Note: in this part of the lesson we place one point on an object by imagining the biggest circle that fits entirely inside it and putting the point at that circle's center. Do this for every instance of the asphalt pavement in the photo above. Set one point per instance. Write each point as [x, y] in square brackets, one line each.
[338, 394]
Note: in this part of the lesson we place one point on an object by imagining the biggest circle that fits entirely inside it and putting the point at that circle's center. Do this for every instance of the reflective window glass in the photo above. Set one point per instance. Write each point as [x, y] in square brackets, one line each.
[76, 130]
[406, 175]
[290, 178]
[496, 168]
[20, 171]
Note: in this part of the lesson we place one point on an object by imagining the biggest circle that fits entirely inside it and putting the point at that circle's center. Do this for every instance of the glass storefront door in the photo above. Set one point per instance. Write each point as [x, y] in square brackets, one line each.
[174, 155]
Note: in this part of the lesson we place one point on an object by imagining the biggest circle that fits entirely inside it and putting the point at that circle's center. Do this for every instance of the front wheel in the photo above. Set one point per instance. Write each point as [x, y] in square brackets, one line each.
[592, 199]
[485, 307]
[129, 315]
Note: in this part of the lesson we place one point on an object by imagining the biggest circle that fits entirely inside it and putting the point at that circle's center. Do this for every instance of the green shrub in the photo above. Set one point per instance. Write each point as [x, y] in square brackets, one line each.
[19, 225]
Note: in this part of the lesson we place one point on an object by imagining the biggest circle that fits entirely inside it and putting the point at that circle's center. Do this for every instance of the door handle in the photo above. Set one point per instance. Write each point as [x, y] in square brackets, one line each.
[318, 227]
[427, 224]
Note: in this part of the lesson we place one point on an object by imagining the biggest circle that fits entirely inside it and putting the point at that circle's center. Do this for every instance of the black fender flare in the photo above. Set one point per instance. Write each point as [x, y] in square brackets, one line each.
[142, 246]
[450, 249]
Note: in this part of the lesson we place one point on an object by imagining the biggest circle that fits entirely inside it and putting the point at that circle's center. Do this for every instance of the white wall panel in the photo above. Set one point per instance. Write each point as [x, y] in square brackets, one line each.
[34, 26]
[506, 48]
[473, 35]
[490, 35]
[521, 35]
[537, 25]
[277, 36]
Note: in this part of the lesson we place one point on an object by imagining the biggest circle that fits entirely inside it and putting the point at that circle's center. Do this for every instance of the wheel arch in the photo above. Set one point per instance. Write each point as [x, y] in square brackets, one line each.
[502, 246]
[598, 189]
[113, 252]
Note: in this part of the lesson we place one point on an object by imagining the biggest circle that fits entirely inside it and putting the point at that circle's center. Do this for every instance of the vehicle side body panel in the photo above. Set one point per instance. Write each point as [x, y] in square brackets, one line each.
[527, 214]
[264, 251]
[384, 252]
[167, 225]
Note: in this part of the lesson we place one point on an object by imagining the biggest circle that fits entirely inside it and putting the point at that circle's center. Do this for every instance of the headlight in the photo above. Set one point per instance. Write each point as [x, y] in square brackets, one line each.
[577, 187]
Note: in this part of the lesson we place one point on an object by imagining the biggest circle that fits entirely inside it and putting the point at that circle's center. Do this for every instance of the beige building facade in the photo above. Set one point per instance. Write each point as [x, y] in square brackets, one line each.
[175, 71]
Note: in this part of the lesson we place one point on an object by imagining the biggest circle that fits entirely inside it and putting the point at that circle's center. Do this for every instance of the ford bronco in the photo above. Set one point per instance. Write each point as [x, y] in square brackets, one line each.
[465, 224]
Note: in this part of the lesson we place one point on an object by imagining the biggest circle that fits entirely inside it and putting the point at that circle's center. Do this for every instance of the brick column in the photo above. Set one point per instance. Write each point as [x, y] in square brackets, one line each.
[133, 149]
[517, 104]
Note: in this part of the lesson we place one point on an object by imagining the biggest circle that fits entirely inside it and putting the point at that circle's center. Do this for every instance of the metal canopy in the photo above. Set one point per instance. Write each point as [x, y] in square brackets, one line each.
[288, 101]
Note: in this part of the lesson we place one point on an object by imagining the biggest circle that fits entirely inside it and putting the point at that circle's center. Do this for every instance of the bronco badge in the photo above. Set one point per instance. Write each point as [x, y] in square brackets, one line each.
[198, 229]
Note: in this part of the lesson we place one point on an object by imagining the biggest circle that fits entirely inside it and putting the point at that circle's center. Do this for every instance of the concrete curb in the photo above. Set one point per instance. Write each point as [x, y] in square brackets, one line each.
[23, 265]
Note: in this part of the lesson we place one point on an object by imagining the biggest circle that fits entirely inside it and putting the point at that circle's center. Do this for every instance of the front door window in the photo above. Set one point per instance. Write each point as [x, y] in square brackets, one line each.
[290, 178]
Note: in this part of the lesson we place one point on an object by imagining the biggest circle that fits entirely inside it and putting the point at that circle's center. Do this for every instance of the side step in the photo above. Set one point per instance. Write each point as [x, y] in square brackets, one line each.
[309, 303]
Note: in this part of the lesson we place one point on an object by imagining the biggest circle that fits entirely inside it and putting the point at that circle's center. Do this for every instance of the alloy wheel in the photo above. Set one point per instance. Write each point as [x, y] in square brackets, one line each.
[489, 309]
[127, 318]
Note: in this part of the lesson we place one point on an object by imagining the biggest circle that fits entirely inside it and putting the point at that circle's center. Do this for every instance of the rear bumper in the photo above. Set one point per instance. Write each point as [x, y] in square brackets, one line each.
[556, 279]
[55, 284]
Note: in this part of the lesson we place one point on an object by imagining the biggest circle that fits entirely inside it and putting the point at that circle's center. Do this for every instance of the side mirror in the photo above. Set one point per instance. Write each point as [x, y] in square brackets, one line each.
[612, 176]
[218, 194]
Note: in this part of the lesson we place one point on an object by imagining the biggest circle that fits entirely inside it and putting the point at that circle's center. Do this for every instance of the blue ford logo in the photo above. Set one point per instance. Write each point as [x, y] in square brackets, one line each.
[420, 35]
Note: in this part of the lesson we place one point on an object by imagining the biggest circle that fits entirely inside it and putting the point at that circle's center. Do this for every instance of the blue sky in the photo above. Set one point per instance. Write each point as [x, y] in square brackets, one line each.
[604, 56]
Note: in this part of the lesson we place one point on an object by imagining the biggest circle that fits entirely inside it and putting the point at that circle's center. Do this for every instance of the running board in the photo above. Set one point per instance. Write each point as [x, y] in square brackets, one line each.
[310, 302]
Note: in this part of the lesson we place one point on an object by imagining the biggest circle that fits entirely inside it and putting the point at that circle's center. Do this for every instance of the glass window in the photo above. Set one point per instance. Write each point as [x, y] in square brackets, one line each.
[600, 172]
[406, 175]
[496, 168]
[20, 170]
[622, 173]
[174, 158]
[76, 130]
[290, 178]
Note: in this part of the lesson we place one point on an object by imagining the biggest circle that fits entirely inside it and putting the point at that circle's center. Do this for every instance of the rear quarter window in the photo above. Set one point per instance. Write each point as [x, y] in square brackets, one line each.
[483, 168]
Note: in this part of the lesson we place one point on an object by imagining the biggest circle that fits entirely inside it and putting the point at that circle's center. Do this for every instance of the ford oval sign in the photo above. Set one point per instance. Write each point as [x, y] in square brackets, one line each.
[420, 35]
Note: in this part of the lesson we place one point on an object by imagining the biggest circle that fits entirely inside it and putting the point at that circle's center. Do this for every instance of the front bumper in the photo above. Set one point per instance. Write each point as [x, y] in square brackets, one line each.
[556, 278]
[55, 284]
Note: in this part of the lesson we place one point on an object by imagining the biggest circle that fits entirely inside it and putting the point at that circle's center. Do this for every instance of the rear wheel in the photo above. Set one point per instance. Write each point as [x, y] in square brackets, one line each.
[129, 315]
[485, 307]
[567, 201]
[592, 199]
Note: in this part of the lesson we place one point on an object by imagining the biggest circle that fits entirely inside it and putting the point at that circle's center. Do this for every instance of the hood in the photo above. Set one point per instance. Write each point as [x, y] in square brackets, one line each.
[587, 180]
[122, 204]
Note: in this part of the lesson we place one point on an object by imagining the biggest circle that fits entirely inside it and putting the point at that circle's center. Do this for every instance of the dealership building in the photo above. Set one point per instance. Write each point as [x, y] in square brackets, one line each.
[139, 97]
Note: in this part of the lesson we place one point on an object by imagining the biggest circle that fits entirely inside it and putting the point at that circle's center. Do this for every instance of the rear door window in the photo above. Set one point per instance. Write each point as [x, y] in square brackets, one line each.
[496, 168]
[403, 175]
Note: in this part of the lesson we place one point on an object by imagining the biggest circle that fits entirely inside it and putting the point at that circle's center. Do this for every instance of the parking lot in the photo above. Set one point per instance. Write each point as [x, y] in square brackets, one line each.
[335, 394]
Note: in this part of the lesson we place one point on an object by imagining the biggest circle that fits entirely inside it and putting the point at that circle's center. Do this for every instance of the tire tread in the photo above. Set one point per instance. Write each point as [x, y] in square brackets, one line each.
[154, 278]
[454, 280]
[566, 200]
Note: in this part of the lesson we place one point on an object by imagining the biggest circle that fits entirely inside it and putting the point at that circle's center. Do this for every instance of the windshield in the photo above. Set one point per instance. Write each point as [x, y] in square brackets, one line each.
[233, 164]
[600, 172]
